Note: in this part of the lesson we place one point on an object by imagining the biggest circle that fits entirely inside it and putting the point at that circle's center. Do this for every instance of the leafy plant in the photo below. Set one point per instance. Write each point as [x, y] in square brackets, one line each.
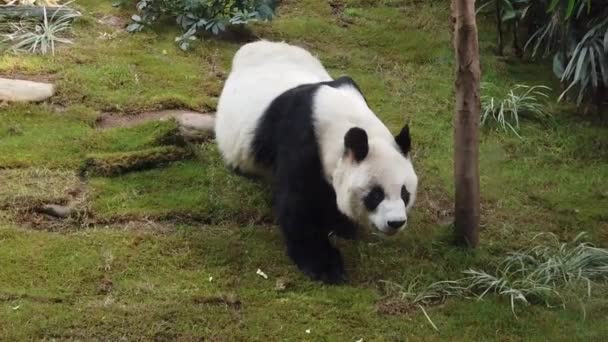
[538, 274]
[558, 33]
[575, 33]
[195, 17]
[42, 37]
[520, 100]
[587, 69]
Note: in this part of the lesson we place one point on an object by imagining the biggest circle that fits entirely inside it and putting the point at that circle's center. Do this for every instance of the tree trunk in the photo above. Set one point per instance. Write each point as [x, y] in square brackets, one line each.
[516, 47]
[466, 123]
[500, 47]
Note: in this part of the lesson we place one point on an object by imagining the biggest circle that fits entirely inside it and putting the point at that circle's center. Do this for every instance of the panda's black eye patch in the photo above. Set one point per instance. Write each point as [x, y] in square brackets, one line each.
[405, 195]
[373, 198]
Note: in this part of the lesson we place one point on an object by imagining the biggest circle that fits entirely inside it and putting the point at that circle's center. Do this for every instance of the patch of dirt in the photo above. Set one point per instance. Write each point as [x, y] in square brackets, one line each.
[438, 204]
[230, 301]
[113, 21]
[393, 306]
[7, 297]
[337, 9]
[105, 285]
[110, 120]
[237, 34]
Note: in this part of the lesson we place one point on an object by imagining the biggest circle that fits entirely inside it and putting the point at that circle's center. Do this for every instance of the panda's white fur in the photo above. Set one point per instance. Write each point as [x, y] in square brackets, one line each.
[264, 72]
[261, 71]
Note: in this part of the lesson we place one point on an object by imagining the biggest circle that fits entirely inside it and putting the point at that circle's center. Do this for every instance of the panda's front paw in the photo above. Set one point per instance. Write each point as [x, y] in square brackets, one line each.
[329, 270]
[343, 227]
[323, 264]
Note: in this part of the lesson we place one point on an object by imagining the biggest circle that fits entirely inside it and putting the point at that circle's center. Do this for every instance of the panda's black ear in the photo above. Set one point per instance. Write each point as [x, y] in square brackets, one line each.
[355, 142]
[403, 140]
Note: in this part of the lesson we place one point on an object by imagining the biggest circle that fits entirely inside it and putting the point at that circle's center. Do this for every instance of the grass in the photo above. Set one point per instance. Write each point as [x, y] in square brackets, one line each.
[141, 267]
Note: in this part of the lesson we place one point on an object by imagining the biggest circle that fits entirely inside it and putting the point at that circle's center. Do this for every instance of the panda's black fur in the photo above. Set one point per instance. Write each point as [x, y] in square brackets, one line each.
[305, 203]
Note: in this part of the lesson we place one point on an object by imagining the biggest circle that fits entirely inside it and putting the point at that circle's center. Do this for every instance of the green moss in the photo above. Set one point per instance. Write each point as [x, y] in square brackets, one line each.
[32, 135]
[139, 284]
[203, 189]
[129, 139]
[150, 280]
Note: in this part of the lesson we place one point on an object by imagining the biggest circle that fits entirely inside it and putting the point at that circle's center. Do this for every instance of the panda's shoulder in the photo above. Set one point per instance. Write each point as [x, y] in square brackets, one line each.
[346, 83]
[343, 82]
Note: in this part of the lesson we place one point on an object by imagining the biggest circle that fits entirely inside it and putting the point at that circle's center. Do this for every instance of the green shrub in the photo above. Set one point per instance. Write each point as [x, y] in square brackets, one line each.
[197, 16]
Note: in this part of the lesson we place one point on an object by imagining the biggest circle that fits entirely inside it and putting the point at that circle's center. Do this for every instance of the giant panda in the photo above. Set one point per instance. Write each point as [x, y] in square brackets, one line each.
[334, 166]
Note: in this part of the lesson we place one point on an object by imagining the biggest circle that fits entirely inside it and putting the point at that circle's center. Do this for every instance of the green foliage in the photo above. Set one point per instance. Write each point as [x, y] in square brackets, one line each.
[520, 100]
[575, 32]
[42, 37]
[587, 68]
[197, 16]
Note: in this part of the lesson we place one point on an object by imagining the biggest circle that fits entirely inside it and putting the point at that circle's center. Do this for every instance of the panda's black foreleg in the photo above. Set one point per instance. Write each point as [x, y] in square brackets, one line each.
[307, 237]
[317, 258]
[342, 226]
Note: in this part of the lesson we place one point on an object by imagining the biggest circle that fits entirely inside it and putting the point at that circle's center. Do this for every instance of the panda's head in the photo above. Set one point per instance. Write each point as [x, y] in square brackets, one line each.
[375, 182]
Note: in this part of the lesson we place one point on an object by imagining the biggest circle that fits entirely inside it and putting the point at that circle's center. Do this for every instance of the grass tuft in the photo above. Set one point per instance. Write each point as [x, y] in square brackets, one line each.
[43, 36]
[520, 100]
[538, 274]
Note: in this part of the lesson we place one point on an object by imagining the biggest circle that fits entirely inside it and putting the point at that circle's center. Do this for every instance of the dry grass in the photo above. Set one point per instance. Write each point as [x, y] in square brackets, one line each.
[20, 187]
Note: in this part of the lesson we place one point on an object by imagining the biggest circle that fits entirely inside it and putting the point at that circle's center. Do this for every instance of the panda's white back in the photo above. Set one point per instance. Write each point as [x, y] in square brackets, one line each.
[261, 71]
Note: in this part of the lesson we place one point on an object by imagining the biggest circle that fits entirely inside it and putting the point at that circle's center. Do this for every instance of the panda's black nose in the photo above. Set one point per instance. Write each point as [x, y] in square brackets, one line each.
[396, 224]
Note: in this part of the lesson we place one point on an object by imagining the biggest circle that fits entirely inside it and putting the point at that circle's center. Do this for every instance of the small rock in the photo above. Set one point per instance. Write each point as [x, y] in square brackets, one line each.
[195, 126]
[56, 210]
[24, 91]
